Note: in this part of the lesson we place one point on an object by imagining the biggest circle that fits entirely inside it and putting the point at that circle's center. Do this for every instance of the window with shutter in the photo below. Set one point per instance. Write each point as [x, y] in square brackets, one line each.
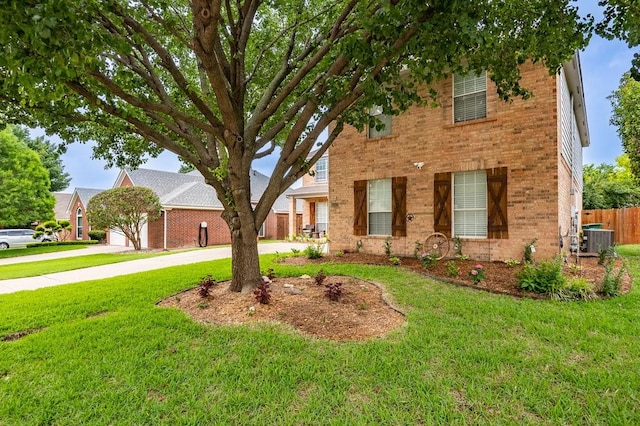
[469, 97]
[442, 203]
[497, 226]
[380, 207]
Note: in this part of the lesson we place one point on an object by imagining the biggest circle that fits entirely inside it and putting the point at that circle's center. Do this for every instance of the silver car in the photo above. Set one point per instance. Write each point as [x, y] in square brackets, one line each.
[12, 238]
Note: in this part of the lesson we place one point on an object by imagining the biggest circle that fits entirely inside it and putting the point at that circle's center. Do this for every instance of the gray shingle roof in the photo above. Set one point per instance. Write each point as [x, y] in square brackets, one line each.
[190, 190]
[85, 194]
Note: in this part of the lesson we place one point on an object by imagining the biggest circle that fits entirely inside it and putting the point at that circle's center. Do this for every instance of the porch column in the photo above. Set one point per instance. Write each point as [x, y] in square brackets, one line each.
[292, 216]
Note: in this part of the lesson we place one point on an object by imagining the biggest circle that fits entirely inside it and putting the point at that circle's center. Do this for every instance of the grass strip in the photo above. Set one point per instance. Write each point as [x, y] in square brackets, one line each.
[34, 269]
[28, 251]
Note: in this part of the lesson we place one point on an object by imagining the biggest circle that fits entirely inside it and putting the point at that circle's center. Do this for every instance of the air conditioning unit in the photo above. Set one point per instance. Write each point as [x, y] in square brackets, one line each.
[598, 239]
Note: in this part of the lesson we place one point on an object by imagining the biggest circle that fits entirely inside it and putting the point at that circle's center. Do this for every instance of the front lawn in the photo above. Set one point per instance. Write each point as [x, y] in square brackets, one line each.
[34, 269]
[28, 251]
[101, 352]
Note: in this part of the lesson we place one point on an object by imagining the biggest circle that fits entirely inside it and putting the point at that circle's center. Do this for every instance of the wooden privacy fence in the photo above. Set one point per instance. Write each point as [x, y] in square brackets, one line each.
[625, 223]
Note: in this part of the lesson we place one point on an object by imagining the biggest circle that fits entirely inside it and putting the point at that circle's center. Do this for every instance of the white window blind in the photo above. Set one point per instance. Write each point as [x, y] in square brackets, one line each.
[469, 97]
[379, 193]
[470, 204]
[384, 119]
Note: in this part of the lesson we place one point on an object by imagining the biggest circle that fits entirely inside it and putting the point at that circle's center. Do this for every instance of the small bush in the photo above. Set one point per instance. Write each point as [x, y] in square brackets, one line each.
[63, 243]
[452, 269]
[395, 260]
[314, 251]
[429, 260]
[575, 289]
[387, 246]
[477, 274]
[333, 291]
[612, 282]
[295, 252]
[545, 277]
[417, 249]
[205, 286]
[462, 256]
[512, 262]
[320, 277]
[339, 253]
[97, 235]
[270, 273]
[262, 293]
[606, 255]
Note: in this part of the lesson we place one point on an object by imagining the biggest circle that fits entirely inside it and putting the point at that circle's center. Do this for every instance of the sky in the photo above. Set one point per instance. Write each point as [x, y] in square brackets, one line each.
[603, 64]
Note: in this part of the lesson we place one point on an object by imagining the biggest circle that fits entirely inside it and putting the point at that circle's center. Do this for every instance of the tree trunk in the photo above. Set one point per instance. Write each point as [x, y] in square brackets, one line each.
[245, 263]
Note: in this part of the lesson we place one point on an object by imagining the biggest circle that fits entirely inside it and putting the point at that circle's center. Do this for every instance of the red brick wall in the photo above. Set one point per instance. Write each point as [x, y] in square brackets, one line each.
[73, 219]
[520, 135]
[183, 227]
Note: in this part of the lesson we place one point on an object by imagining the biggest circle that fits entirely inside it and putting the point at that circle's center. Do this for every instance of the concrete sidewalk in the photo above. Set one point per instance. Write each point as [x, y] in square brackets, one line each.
[85, 251]
[131, 267]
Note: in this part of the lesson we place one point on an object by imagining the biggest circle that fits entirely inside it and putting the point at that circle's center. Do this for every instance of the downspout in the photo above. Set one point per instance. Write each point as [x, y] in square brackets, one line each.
[164, 236]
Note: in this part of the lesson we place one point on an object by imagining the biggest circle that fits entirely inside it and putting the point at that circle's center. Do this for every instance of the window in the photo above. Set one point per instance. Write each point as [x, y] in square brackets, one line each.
[79, 224]
[379, 206]
[322, 217]
[261, 231]
[382, 127]
[321, 170]
[469, 97]
[470, 204]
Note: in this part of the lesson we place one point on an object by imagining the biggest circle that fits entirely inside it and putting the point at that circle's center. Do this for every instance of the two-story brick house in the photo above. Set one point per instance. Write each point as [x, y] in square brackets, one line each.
[495, 174]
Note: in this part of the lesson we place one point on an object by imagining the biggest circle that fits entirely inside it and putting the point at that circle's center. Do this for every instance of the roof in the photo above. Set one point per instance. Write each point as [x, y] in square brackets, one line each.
[573, 71]
[84, 194]
[180, 190]
[62, 204]
[310, 191]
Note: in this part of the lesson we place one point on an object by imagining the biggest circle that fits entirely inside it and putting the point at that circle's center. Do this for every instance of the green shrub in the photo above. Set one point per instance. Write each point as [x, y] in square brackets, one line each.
[452, 269]
[544, 277]
[314, 251]
[64, 243]
[387, 246]
[575, 289]
[612, 282]
[429, 260]
[529, 250]
[395, 260]
[97, 235]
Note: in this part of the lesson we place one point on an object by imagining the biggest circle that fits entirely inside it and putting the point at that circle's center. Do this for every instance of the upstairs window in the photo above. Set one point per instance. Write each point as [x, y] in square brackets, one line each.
[321, 170]
[469, 97]
[382, 127]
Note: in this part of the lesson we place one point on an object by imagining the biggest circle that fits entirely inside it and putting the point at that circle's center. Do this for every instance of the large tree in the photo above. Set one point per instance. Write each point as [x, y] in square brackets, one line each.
[622, 20]
[126, 209]
[609, 186]
[24, 184]
[50, 155]
[626, 117]
[223, 83]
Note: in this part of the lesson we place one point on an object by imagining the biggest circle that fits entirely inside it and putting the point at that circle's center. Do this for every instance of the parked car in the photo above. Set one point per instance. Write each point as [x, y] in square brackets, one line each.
[12, 238]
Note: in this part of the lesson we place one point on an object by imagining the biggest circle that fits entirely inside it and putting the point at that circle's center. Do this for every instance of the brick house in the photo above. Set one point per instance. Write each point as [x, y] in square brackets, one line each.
[187, 201]
[77, 212]
[314, 197]
[495, 174]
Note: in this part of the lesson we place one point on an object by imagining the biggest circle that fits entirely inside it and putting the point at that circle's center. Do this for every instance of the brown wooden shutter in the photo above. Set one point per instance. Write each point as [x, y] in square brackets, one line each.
[497, 225]
[399, 206]
[442, 203]
[360, 207]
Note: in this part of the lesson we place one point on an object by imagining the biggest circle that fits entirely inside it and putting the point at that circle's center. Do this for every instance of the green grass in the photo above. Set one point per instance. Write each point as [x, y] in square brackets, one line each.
[34, 269]
[28, 251]
[105, 354]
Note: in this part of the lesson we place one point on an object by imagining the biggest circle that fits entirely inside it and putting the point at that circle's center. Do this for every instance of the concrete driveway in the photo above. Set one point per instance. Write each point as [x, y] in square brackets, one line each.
[123, 268]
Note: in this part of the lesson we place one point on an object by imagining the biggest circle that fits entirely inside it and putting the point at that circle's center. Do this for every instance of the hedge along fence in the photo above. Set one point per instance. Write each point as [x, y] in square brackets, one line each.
[64, 243]
[625, 223]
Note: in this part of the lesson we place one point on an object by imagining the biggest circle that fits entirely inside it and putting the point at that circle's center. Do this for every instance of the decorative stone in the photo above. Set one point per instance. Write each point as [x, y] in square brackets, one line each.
[305, 276]
[292, 290]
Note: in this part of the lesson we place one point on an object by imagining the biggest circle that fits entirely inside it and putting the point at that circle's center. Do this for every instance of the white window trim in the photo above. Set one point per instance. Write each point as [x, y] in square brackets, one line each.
[376, 111]
[323, 179]
[79, 227]
[475, 209]
[326, 222]
[454, 96]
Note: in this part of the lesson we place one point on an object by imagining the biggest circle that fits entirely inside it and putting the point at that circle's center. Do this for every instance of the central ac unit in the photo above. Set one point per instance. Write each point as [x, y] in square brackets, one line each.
[598, 239]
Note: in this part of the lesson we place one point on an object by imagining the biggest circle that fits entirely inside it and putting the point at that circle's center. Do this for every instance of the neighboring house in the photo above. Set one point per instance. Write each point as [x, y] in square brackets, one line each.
[314, 195]
[77, 212]
[495, 174]
[187, 201]
[61, 208]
